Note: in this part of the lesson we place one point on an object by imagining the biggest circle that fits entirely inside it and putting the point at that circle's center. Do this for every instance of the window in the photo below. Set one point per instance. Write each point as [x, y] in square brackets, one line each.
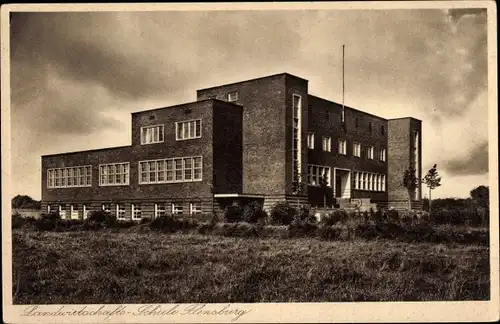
[356, 122]
[310, 140]
[74, 212]
[356, 149]
[136, 212]
[343, 147]
[369, 181]
[177, 209]
[86, 211]
[188, 129]
[297, 138]
[77, 176]
[370, 127]
[185, 169]
[62, 211]
[369, 152]
[115, 174]
[327, 144]
[381, 154]
[194, 208]
[382, 130]
[232, 96]
[160, 210]
[316, 172]
[106, 208]
[152, 134]
[48, 209]
[120, 211]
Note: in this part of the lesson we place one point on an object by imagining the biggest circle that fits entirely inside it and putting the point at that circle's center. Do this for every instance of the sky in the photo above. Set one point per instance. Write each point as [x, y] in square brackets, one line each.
[76, 77]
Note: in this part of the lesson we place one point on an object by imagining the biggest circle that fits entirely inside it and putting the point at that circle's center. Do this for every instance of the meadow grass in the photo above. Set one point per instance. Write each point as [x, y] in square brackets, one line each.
[152, 267]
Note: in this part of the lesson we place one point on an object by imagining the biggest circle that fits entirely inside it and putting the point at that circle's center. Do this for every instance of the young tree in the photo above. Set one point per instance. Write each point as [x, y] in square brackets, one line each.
[480, 197]
[298, 188]
[432, 180]
[410, 182]
[323, 183]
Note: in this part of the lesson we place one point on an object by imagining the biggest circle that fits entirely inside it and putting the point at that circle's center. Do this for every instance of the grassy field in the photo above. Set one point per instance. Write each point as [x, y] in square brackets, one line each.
[114, 267]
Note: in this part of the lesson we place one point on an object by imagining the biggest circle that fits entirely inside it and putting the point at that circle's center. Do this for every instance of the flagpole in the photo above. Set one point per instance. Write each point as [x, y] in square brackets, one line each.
[343, 83]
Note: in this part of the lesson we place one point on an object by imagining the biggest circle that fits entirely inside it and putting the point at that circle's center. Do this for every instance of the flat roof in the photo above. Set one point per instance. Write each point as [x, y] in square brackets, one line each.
[92, 150]
[361, 111]
[186, 104]
[254, 79]
[406, 118]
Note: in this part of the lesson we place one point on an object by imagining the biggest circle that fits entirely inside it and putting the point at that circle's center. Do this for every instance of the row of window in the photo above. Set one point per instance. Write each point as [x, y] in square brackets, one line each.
[78, 176]
[369, 181]
[170, 170]
[183, 169]
[119, 210]
[356, 122]
[342, 147]
[184, 130]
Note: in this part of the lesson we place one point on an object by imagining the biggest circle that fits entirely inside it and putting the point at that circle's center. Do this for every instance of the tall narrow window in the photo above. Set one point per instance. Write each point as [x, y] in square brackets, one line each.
[356, 149]
[342, 147]
[369, 152]
[297, 138]
[382, 130]
[152, 134]
[327, 144]
[382, 154]
[370, 127]
[310, 140]
[356, 122]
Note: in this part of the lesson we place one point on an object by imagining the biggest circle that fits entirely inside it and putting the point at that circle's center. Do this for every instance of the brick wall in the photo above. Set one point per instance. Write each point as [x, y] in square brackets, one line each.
[264, 138]
[401, 156]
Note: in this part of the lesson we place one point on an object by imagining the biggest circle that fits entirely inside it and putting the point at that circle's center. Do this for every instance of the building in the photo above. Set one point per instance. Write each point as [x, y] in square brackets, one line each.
[246, 141]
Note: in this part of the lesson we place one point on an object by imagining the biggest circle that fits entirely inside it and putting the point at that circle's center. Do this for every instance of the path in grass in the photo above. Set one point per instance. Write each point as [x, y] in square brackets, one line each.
[106, 267]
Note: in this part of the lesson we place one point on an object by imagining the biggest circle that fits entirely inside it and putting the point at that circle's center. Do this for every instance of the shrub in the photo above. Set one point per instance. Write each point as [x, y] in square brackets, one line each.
[301, 228]
[233, 214]
[48, 222]
[171, 224]
[334, 217]
[253, 212]
[70, 225]
[392, 215]
[100, 218]
[282, 213]
[304, 215]
[17, 221]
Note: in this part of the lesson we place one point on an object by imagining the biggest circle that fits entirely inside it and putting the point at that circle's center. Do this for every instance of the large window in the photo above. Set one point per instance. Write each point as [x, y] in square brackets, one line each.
[356, 149]
[186, 169]
[152, 134]
[342, 147]
[369, 181]
[188, 129]
[316, 172]
[114, 174]
[310, 140]
[327, 144]
[77, 176]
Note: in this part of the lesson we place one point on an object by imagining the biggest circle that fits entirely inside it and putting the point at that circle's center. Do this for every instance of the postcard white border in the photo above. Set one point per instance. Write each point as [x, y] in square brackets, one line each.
[273, 312]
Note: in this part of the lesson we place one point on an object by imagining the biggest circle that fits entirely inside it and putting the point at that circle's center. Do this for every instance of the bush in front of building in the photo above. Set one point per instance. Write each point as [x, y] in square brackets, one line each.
[282, 213]
[233, 214]
[253, 213]
[171, 224]
[99, 219]
[334, 217]
[48, 222]
[18, 221]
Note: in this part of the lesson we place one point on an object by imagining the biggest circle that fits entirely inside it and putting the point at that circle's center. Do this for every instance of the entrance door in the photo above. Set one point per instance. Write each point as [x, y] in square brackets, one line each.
[338, 186]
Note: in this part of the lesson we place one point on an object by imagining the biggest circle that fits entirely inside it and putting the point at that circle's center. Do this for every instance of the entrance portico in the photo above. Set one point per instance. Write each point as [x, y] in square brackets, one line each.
[342, 183]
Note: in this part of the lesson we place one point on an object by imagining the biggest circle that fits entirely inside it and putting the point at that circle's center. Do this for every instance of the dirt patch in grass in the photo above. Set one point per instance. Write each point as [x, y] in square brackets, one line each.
[151, 267]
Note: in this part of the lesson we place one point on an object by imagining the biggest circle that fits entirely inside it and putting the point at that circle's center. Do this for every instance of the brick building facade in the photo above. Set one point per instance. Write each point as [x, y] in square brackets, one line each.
[240, 142]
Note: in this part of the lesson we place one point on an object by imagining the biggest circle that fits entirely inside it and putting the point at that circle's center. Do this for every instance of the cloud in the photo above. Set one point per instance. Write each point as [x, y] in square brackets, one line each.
[475, 163]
